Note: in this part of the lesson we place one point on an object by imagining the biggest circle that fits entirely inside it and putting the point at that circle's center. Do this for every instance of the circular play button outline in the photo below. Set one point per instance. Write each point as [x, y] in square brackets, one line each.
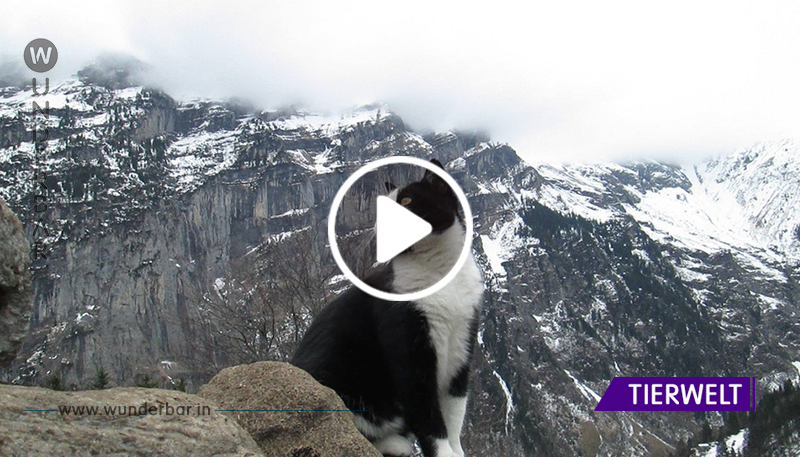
[374, 165]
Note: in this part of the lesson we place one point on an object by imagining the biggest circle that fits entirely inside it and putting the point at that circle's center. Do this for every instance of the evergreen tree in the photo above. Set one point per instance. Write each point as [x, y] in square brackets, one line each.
[54, 381]
[101, 380]
[147, 382]
[774, 420]
[707, 433]
[732, 424]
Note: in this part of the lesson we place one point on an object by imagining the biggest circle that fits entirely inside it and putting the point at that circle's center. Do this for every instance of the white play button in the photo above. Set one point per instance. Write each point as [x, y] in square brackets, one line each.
[397, 228]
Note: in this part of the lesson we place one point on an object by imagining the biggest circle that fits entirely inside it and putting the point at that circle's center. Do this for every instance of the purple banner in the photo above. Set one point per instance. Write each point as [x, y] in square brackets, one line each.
[677, 394]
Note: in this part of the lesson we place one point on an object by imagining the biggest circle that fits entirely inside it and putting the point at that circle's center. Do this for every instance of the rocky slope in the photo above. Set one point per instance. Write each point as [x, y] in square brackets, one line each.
[236, 414]
[594, 271]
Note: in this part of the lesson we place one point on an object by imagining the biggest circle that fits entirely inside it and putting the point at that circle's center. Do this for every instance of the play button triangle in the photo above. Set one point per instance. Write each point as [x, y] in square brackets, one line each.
[397, 228]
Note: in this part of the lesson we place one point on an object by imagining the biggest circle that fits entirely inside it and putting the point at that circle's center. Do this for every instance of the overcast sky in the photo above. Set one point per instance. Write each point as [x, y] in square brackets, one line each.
[557, 80]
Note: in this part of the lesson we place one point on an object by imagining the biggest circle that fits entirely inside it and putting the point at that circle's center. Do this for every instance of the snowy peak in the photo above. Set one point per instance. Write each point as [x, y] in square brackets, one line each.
[70, 94]
[330, 125]
[758, 189]
[140, 136]
[743, 201]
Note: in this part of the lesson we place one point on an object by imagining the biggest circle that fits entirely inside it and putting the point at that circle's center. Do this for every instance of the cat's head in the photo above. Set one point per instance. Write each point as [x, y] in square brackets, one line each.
[430, 198]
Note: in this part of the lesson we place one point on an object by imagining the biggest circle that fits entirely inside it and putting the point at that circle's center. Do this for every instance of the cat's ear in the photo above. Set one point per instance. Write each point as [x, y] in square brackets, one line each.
[389, 186]
[434, 180]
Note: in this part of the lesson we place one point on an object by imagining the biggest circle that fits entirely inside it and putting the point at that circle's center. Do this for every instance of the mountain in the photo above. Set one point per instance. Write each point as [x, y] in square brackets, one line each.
[186, 236]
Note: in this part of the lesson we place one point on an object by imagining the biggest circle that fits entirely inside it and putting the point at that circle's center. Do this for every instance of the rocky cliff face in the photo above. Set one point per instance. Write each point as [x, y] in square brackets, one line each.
[593, 271]
[16, 297]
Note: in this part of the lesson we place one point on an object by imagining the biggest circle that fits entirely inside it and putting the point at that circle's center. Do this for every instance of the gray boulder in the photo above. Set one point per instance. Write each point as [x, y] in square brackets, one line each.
[280, 386]
[152, 433]
[16, 293]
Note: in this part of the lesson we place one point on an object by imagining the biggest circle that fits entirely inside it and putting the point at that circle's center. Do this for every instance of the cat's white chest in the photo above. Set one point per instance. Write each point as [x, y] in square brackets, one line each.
[449, 313]
[450, 310]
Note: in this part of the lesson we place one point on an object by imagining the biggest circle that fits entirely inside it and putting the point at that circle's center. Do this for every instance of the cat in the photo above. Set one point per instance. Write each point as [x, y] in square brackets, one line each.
[404, 366]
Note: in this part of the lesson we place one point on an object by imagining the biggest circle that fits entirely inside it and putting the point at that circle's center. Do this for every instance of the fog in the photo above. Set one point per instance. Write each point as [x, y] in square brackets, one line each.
[558, 81]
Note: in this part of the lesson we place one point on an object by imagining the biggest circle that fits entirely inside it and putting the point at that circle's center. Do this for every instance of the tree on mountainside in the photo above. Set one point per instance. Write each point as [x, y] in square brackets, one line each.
[101, 380]
[261, 309]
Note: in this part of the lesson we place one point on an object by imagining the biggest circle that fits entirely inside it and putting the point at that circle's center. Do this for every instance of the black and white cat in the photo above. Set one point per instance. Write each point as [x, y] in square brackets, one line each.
[406, 364]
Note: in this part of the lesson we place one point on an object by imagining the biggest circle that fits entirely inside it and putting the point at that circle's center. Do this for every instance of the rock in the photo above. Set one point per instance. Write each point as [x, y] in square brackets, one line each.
[16, 293]
[274, 385]
[53, 433]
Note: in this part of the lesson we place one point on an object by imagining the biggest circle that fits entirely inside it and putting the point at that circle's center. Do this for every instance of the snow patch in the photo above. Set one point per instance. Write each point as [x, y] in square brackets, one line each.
[736, 442]
[758, 188]
[128, 92]
[83, 318]
[330, 125]
[292, 212]
[583, 388]
[509, 398]
[201, 155]
[772, 303]
[688, 275]
[503, 241]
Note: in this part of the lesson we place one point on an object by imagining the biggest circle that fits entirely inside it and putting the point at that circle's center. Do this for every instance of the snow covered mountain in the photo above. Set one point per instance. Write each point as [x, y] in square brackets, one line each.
[594, 271]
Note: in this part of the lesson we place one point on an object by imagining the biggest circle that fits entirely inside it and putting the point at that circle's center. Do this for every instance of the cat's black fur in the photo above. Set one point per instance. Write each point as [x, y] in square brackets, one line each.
[381, 356]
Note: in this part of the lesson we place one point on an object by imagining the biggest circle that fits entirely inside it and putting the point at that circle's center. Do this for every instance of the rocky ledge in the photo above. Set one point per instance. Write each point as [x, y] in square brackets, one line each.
[16, 292]
[291, 414]
[143, 422]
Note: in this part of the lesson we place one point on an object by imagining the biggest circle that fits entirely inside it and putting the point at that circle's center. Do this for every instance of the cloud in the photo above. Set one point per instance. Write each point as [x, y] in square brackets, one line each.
[579, 81]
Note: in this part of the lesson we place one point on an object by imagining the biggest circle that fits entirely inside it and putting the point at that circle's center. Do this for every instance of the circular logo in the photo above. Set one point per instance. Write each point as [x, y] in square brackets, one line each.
[41, 55]
[337, 201]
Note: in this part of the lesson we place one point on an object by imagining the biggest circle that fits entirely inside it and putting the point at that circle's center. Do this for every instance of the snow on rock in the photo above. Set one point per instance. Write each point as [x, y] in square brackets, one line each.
[494, 252]
[572, 189]
[587, 392]
[503, 241]
[759, 187]
[672, 214]
[330, 125]
[199, 155]
[59, 96]
[292, 212]
[736, 442]
[129, 92]
[509, 397]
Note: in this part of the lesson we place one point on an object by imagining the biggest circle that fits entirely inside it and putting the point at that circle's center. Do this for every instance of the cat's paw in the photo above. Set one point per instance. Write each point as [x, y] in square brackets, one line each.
[443, 449]
[394, 446]
[458, 452]
[451, 453]
[457, 448]
[448, 453]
